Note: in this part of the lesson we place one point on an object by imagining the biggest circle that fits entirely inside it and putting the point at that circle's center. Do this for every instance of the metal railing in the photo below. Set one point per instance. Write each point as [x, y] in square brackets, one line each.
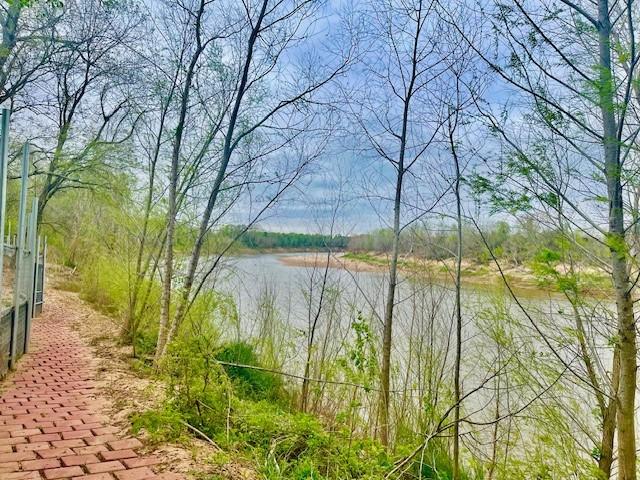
[22, 272]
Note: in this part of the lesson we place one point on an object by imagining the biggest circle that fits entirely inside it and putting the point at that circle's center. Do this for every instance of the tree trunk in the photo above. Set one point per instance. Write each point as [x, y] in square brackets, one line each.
[165, 302]
[129, 328]
[618, 249]
[496, 422]
[457, 390]
[385, 373]
[167, 279]
[607, 408]
[304, 397]
[627, 389]
[609, 421]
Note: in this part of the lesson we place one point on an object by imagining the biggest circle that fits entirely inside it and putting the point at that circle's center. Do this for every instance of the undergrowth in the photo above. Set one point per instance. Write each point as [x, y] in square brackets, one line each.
[249, 413]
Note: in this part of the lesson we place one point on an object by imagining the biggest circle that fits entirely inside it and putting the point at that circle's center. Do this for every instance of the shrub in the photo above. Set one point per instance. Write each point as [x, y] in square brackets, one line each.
[161, 425]
[298, 446]
[249, 383]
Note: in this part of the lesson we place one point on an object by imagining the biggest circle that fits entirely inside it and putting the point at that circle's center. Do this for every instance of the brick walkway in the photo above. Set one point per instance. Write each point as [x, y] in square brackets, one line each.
[50, 427]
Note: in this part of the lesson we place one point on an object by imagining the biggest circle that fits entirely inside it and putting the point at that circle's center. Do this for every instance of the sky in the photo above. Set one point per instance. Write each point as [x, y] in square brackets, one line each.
[350, 167]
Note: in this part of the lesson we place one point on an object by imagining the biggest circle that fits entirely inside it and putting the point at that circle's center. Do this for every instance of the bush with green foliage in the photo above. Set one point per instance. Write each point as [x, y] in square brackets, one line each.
[249, 383]
[245, 412]
[240, 411]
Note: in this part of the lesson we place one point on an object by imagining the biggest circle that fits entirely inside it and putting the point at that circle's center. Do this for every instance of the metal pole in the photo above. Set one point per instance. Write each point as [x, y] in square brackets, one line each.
[33, 225]
[4, 154]
[19, 251]
[36, 275]
[44, 270]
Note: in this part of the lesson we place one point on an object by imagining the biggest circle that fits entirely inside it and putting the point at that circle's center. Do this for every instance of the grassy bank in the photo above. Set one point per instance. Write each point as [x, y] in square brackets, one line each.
[527, 279]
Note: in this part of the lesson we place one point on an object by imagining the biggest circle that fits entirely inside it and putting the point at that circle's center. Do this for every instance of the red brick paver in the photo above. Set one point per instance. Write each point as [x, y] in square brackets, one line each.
[50, 425]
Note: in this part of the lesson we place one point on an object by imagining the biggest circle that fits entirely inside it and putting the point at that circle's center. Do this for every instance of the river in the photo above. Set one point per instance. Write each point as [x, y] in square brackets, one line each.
[506, 366]
[268, 285]
[247, 278]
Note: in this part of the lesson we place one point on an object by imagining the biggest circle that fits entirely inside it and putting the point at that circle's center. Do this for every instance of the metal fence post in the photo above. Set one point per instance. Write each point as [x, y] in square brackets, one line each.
[19, 251]
[33, 225]
[44, 269]
[4, 154]
[36, 266]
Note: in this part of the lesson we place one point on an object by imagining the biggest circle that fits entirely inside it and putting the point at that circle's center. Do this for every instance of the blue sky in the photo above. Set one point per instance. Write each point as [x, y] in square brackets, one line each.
[351, 166]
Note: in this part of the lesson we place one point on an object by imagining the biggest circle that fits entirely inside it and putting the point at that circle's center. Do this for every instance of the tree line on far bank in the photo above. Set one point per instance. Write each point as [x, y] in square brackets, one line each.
[256, 239]
[515, 244]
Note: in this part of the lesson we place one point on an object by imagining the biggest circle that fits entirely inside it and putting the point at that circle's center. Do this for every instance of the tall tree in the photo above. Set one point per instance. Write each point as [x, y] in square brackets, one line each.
[399, 120]
[452, 125]
[82, 99]
[262, 35]
[195, 44]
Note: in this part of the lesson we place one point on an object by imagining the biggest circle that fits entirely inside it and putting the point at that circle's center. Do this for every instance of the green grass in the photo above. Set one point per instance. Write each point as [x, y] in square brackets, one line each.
[366, 258]
[249, 383]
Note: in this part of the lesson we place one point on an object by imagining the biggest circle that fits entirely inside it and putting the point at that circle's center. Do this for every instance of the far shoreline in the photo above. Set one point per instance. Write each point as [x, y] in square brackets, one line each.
[521, 279]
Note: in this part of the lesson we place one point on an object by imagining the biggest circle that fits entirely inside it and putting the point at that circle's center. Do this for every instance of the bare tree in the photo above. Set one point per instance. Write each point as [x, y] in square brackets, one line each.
[399, 121]
[452, 124]
[195, 46]
[161, 86]
[320, 280]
